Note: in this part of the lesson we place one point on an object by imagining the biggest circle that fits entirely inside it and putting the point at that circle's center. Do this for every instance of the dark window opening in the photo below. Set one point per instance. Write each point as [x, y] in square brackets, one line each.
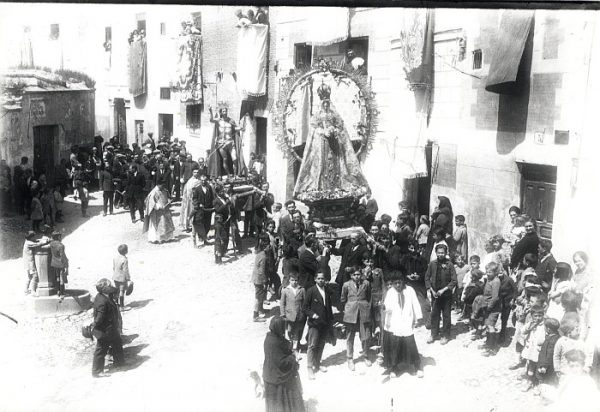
[54, 32]
[141, 25]
[339, 53]
[477, 59]
[108, 34]
[163, 29]
[192, 116]
[302, 55]
[197, 20]
[165, 93]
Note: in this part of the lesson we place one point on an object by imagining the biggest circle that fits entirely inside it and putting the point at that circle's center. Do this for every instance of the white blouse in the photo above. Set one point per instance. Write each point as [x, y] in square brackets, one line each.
[401, 320]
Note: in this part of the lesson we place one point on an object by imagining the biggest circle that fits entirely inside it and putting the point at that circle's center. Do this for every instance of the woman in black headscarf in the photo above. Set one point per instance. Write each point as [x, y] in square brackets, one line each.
[283, 389]
[442, 217]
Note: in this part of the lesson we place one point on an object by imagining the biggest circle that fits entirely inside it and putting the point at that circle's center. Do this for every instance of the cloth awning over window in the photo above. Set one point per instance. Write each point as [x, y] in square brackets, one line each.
[515, 26]
[326, 25]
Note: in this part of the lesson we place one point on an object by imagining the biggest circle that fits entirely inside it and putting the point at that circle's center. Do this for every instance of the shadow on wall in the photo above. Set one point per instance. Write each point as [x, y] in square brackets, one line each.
[513, 108]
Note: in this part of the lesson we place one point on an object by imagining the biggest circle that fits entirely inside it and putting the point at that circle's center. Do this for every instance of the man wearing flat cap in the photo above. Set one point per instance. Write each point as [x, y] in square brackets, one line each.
[106, 328]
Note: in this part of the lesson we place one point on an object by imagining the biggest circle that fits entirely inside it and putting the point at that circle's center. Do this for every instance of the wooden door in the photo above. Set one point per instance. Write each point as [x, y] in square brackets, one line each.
[538, 202]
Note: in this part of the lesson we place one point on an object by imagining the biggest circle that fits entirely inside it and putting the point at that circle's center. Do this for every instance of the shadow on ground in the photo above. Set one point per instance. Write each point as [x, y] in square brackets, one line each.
[137, 304]
[335, 359]
[133, 359]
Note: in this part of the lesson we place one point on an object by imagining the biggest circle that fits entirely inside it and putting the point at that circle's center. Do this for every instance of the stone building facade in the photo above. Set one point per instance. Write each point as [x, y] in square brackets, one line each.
[44, 119]
[494, 150]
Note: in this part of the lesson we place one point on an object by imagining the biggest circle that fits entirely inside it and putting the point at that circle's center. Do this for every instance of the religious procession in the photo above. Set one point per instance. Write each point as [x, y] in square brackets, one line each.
[278, 180]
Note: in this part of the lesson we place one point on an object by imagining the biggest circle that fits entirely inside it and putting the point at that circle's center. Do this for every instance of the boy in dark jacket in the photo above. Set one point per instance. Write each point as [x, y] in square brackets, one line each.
[440, 280]
[545, 366]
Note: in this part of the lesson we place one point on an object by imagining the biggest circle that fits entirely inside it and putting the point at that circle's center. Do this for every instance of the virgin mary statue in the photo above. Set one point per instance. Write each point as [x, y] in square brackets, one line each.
[329, 163]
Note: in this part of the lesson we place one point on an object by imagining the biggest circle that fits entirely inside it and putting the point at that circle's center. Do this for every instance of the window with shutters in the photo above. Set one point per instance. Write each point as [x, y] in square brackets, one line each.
[538, 195]
[163, 29]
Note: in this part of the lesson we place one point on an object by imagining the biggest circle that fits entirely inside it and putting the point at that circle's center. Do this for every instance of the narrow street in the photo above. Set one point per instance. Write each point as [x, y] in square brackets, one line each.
[190, 341]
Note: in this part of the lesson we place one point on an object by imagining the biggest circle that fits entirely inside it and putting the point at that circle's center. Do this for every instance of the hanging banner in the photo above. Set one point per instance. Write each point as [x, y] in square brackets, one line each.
[138, 74]
[252, 59]
[189, 68]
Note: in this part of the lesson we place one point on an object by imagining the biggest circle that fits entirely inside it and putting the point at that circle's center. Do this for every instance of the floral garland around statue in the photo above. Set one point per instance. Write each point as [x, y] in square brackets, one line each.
[367, 127]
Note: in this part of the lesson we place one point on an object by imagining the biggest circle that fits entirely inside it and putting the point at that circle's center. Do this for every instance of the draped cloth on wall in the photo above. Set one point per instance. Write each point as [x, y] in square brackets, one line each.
[515, 26]
[138, 72]
[189, 67]
[252, 59]
[408, 150]
[326, 25]
[303, 115]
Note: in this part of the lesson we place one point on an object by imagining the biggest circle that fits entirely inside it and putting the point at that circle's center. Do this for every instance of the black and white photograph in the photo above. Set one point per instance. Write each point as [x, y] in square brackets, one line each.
[299, 208]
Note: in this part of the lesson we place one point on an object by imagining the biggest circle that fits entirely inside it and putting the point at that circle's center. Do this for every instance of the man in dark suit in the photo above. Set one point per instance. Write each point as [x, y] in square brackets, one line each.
[202, 199]
[286, 224]
[308, 263]
[317, 308]
[106, 328]
[107, 187]
[175, 166]
[263, 205]
[352, 255]
[163, 173]
[134, 193]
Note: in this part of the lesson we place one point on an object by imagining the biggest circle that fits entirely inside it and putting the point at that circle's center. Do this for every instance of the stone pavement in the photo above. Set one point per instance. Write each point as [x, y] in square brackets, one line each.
[191, 343]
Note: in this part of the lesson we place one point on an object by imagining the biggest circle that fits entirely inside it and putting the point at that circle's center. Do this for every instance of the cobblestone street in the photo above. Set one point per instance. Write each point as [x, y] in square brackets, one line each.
[191, 343]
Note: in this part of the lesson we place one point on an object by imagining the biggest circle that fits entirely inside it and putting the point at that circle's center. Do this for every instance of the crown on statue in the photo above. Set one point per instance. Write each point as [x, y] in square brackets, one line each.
[324, 91]
[222, 105]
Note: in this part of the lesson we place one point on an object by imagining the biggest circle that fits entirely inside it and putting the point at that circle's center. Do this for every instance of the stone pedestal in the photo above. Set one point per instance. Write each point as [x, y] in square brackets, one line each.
[46, 286]
[75, 301]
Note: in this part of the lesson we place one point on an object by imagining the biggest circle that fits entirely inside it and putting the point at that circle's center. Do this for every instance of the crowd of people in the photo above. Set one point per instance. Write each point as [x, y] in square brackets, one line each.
[393, 279]
[394, 275]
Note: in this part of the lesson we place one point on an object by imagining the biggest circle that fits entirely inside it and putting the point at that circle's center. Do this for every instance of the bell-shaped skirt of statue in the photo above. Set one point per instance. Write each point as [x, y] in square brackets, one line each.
[329, 160]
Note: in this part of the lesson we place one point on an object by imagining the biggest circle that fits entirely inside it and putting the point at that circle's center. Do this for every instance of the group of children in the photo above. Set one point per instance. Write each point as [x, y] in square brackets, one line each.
[550, 320]
[548, 315]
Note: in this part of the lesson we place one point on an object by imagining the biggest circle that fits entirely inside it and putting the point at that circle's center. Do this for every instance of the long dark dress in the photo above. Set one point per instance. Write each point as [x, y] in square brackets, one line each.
[283, 389]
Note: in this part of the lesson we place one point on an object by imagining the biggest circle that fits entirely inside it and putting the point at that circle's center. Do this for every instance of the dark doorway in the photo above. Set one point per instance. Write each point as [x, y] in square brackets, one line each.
[45, 139]
[261, 136]
[424, 184]
[120, 120]
[165, 125]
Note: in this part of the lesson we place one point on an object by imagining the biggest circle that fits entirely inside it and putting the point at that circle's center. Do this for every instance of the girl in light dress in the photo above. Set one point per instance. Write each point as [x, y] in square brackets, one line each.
[560, 284]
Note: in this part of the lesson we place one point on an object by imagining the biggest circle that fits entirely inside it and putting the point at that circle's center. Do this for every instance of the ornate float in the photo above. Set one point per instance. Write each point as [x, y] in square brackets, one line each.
[326, 120]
